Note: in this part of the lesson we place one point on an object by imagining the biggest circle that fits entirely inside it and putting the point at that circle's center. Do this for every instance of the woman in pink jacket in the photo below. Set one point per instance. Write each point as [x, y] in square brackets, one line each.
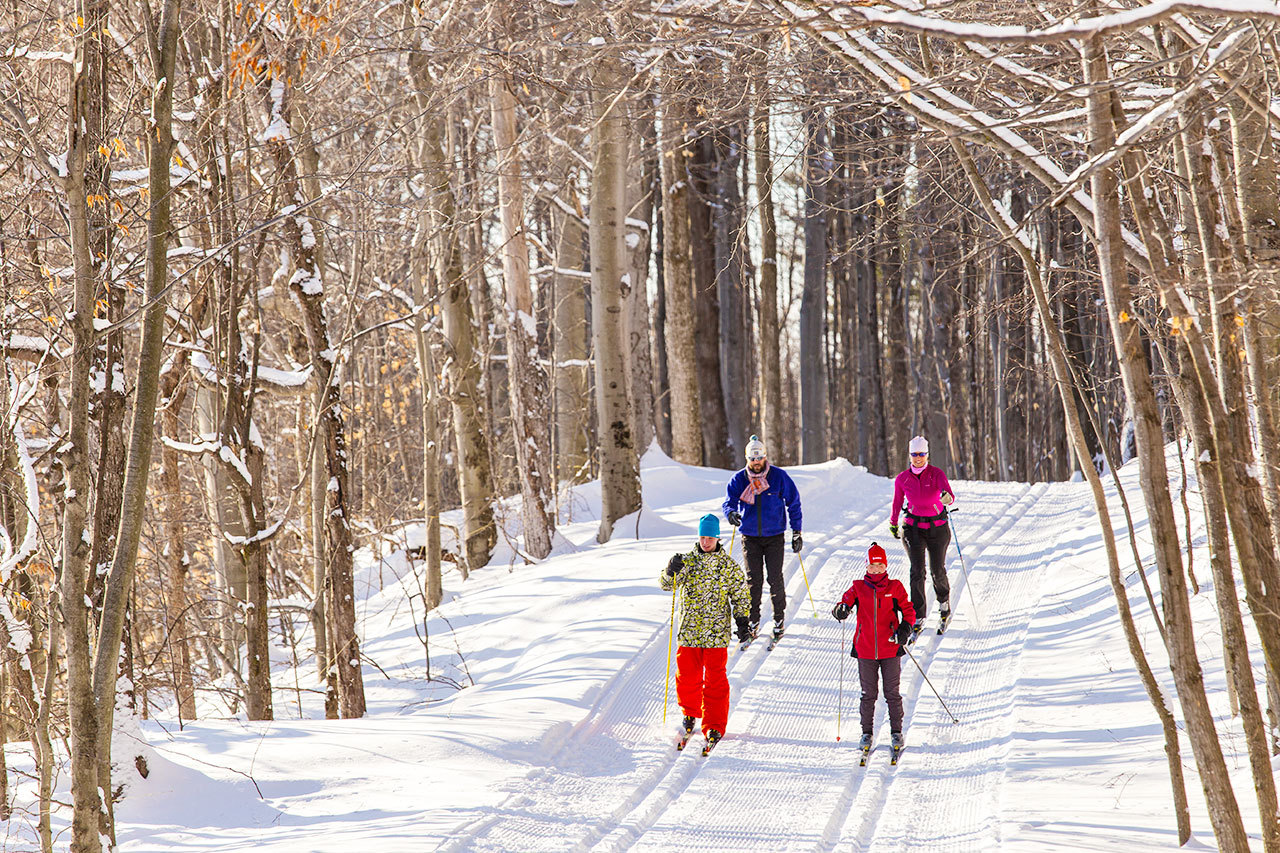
[927, 494]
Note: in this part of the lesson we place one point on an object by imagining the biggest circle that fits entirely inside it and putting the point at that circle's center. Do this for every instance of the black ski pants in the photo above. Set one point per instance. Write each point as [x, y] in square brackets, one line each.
[933, 541]
[871, 671]
[765, 553]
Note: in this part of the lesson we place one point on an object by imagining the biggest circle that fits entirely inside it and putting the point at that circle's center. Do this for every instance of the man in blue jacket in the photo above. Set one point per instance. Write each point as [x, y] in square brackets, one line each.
[760, 499]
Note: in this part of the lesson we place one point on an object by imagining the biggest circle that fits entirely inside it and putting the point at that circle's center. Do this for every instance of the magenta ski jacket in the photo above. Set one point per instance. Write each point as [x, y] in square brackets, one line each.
[922, 493]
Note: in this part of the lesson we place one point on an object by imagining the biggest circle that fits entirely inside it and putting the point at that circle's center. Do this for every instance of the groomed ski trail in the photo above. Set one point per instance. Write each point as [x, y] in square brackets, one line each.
[779, 780]
[577, 798]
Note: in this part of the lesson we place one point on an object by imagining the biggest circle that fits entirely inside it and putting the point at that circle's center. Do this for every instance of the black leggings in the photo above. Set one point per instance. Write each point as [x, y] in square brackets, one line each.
[761, 553]
[871, 671]
[933, 540]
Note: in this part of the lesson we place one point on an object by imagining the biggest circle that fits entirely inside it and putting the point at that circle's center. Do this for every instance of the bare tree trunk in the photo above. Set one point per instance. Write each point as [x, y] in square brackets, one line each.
[461, 369]
[729, 240]
[770, 373]
[813, 305]
[420, 274]
[642, 168]
[306, 287]
[571, 352]
[86, 97]
[686, 424]
[706, 306]
[528, 382]
[179, 563]
[619, 462]
[1223, 809]
[119, 586]
[1066, 384]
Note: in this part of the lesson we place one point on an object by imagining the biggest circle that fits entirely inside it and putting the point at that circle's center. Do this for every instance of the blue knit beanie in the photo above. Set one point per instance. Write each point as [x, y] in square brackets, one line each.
[709, 525]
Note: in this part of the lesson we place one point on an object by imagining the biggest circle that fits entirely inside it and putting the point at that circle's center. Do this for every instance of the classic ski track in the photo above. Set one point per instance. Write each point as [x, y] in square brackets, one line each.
[780, 746]
[978, 678]
[533, 815]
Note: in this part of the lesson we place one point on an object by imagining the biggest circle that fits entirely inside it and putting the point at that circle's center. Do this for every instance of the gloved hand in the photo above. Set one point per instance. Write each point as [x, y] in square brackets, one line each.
[840, 611]
[744, 629]
[893, 528]
[675, 564]
[947, 499]
[735, 518]
[796, 542]
[904, 633]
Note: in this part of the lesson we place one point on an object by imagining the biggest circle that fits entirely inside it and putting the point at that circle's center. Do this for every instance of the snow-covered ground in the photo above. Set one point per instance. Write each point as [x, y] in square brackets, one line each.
[557, 739]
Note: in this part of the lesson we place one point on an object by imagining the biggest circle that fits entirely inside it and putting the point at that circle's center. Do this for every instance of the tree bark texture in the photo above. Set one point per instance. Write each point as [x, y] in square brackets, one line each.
[619, 461]
[528, 381]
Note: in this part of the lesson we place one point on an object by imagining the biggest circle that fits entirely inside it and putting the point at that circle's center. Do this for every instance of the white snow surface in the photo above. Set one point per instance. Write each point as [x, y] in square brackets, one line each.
[557, 740]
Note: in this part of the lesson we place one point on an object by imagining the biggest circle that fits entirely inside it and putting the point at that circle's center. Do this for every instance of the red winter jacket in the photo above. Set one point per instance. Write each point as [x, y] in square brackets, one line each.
[878, 599]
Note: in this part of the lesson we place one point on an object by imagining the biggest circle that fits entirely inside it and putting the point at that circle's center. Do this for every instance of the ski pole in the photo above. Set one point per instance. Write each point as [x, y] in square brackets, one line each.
[977, 611]
[840, 694]
[953, 717]
[666, 688]
[733, 538]
[805, 575]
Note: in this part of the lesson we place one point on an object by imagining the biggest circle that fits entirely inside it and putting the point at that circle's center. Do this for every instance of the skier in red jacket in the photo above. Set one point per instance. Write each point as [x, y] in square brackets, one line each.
[885, 617]
[927, 494]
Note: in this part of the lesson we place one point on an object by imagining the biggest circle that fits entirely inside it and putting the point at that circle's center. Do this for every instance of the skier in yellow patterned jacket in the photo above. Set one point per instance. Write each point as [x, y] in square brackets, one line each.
[713, 587]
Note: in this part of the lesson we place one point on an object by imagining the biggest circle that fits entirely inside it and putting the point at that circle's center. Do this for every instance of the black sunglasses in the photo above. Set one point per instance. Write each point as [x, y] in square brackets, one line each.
[913, 453]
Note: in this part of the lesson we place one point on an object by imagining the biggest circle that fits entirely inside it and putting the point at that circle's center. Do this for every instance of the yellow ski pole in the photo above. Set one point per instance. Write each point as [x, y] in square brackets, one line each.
[666, 689]
[805, 575]
[733, 538]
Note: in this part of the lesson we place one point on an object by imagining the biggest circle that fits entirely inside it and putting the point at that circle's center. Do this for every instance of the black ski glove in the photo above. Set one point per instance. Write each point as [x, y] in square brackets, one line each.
[675, 564]
[735, 518]
[796, 542]
[893, 528]
[904, 633]
[840, 611]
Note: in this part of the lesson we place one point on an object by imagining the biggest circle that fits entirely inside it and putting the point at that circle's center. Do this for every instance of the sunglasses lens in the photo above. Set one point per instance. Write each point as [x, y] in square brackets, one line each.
[919, 454]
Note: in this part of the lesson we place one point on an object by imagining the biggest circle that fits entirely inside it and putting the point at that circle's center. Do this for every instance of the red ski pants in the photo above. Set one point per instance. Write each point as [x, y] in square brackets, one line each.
[702, 685]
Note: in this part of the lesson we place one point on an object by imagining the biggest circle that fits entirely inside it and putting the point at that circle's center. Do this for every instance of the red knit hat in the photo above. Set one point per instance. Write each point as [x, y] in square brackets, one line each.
[876, 556]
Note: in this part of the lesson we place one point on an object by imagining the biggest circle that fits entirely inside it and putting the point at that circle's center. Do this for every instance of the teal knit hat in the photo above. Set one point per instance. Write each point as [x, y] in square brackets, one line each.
[709, 525]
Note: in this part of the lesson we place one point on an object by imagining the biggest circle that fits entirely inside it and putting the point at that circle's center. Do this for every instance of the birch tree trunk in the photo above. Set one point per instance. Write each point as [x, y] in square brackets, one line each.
[619, 462]
[571, 351]
[642, 168]
[686, 424]
[528, 381]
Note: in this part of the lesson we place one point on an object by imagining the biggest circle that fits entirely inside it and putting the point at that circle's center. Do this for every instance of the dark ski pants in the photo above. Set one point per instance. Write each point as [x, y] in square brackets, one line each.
[934, 541]
[761, 553]
[870, 671]
[702, 685]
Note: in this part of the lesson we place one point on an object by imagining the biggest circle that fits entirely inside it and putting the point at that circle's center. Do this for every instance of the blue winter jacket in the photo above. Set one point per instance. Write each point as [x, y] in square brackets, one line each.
[768, 515]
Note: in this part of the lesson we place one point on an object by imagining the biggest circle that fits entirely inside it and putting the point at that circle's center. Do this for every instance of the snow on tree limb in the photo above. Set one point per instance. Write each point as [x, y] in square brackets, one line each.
[947, 112]
[1123, 21]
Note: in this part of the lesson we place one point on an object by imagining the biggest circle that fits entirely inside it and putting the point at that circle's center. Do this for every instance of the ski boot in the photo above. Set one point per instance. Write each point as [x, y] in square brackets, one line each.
[778, 631]
[944, 618]
[865, 745]
[713, 738]
[686, 731]
[897, 744]
[915, 631]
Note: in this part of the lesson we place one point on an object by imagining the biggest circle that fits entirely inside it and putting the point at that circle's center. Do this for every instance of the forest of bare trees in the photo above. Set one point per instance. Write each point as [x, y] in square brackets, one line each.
[279, 279]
